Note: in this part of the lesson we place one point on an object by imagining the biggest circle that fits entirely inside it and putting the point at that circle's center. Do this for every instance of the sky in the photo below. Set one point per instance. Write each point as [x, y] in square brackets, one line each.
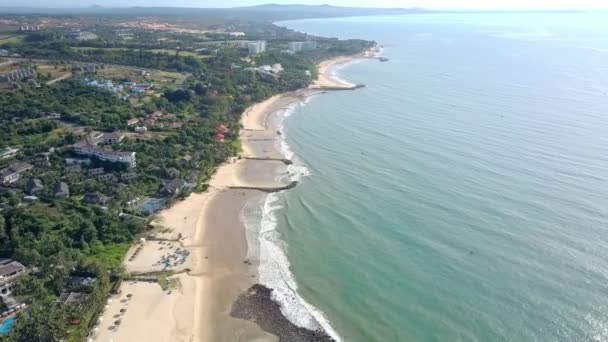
[431, 4]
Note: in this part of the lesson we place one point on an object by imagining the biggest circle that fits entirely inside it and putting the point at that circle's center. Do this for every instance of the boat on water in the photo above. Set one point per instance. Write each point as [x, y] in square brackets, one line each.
[383, 59]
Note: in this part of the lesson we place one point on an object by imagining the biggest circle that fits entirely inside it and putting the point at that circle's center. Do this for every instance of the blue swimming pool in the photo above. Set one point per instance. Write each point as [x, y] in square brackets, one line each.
[152, 205]
[6, 326]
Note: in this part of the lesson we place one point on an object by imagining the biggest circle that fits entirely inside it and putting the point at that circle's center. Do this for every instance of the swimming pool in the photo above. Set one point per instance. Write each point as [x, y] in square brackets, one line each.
[6, 326]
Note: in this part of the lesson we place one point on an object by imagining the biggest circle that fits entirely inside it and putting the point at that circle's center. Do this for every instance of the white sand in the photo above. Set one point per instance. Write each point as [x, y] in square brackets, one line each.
[151, 314]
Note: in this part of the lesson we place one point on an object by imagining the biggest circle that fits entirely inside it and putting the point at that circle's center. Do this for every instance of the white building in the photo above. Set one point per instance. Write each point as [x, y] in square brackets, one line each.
[14, 172]
[85, 148]
[82, 35]
[10, 270]
[253, 47]
[302, 46]
[8, 153]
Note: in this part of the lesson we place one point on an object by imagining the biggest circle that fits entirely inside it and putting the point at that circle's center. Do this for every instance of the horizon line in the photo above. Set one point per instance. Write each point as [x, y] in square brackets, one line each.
[452, 9]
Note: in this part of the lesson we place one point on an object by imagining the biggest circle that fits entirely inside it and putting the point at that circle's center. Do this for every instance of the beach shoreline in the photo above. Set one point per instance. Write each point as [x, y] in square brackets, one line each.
[208, 229]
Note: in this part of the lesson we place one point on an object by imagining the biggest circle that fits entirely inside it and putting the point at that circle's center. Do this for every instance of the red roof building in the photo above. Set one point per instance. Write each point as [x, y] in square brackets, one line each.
[222, 129]
[219, 137]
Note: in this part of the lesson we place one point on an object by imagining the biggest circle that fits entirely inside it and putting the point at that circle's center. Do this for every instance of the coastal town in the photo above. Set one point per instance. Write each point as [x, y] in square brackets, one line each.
[123, 143]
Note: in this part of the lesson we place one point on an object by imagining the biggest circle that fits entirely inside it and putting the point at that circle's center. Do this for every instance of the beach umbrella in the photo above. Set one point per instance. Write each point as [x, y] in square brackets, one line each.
[123, 310]
[117, 322]
[109, 301]
[100, 319]
[107, 306]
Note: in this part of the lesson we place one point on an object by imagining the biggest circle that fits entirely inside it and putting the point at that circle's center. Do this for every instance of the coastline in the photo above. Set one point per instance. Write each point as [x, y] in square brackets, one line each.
[217, 296]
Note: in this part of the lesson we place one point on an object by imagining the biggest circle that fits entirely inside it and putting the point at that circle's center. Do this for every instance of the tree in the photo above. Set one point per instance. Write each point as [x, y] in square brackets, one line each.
[4, 239]
[46, 322]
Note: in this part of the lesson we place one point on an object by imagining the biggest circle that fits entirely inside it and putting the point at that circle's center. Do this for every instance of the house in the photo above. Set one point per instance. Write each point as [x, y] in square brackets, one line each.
[125, 177]
[61, 190]
[95, 198]
[10, 270]
[96, 171]
[43, 159]
[173, 187]
[34, 186]
[8, 153]
[76, 299]
[17, 75]
[132, 122]
[108, 177]
[73, 168]
[110, 138]
[222, 129]
[141, 129]
[14, 172]
[173, 172]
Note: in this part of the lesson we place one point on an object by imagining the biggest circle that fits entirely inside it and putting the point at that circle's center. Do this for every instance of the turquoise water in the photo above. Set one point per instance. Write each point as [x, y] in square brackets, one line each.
[463, 195]
[7, 325]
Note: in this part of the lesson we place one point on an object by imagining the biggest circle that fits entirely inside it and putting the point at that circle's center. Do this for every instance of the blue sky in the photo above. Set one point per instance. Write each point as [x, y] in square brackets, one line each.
[433, 4]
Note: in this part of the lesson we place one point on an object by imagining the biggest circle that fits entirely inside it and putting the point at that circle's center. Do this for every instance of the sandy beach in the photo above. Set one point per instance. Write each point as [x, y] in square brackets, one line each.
[203, 240]
[327, 80]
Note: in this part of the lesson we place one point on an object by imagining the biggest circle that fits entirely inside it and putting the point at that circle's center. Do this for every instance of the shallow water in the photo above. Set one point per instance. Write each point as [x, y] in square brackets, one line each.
[462, 195]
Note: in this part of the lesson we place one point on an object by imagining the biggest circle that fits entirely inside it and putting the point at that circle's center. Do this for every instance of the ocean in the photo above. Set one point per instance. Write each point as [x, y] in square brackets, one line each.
[462, 195]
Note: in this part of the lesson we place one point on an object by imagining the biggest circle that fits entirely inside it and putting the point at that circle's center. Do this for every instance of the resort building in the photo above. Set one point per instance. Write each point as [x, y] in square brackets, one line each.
[42, 159]
[141, 129]
[76, 299]
[88, 149]
[173, 187]
[61, 190]
[14, 172]
[83, 35]
[302, 46]
[96, 171]
[18, 75]
[34, 186]
[8, 153]
[76, 168]
[253, 47]
[269, 70]
[95, 198]
[29, 28]
[125, 177]
[108, 177]
[10, 270]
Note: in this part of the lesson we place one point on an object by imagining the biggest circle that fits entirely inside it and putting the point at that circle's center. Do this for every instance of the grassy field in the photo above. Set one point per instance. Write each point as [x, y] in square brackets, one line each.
[87, 48]
[44, 69]
[158, 77]
[163, 51]
[10, 39]
[110, 255]
[181, 53]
